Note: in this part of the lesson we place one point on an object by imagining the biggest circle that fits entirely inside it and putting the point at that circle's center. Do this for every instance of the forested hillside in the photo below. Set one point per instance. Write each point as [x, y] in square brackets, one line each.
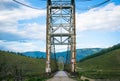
[105, 64]
[15, 67]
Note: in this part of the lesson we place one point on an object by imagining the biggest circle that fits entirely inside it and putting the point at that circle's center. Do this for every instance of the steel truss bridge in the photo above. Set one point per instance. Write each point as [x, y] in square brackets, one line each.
[60, 30]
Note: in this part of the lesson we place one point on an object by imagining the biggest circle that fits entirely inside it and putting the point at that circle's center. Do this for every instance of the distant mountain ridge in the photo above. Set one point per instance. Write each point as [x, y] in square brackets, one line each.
[35, 54]
[80, 53]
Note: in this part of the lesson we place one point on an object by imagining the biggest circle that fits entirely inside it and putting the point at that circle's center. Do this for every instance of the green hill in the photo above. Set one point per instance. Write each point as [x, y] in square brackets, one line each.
[15, 67]
[105, 64]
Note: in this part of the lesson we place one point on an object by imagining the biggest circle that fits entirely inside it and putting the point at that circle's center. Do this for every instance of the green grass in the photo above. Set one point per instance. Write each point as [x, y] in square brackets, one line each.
[12, 66]
[106, 65]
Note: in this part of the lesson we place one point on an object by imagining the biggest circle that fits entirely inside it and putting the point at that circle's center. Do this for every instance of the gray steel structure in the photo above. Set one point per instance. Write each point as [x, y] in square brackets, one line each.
[60, 29]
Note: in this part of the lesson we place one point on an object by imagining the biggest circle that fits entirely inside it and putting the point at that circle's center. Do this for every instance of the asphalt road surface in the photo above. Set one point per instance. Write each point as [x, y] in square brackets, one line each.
[61, 76]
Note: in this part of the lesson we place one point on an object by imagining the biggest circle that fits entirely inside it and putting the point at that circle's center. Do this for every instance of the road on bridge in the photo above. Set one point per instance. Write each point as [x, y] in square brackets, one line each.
[61, 76]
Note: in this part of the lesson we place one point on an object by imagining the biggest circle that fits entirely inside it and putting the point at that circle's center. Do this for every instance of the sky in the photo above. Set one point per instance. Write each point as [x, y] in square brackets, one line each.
[24, 29]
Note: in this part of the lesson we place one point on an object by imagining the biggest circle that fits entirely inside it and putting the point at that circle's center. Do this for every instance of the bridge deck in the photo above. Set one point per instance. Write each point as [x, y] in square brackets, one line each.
[61, 76]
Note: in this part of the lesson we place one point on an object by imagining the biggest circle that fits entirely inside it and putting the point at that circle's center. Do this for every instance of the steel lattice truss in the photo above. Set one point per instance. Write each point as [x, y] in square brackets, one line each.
[61, 28]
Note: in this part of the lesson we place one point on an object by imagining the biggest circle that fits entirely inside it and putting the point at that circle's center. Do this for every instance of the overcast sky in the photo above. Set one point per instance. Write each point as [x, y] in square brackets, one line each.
[24, 29]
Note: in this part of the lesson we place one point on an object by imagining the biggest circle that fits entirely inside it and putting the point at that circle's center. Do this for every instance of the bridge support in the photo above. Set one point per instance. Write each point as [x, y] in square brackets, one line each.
[60, 29]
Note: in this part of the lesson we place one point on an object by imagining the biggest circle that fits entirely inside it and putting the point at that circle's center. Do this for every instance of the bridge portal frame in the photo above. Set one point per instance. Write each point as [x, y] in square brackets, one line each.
[60, 29]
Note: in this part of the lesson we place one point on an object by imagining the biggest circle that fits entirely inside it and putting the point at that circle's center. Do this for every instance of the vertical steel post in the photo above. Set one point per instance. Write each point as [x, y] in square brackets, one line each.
[73, 44]
[48, 39]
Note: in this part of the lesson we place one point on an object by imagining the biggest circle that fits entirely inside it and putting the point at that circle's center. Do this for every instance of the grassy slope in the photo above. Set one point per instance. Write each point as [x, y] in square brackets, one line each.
[29, 66]
[104, 66]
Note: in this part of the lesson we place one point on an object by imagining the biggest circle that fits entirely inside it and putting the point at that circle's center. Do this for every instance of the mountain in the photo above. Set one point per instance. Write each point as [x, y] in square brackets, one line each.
[80, 53]
[104, 64]
[35, 54]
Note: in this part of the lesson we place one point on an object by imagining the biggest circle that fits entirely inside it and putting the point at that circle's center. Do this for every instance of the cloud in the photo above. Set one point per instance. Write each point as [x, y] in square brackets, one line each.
[106, 18]
[27, 31]
[10, 26]
[91, 45]
[22, 46]
[20, 14]
[20, 37]
[34, 31]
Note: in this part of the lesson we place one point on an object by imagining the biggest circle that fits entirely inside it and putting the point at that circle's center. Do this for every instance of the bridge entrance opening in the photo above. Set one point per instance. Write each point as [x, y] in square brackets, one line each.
[61, 62]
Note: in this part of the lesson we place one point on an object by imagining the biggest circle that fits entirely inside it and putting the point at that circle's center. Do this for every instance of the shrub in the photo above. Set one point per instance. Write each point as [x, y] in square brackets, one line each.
[86, 80]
